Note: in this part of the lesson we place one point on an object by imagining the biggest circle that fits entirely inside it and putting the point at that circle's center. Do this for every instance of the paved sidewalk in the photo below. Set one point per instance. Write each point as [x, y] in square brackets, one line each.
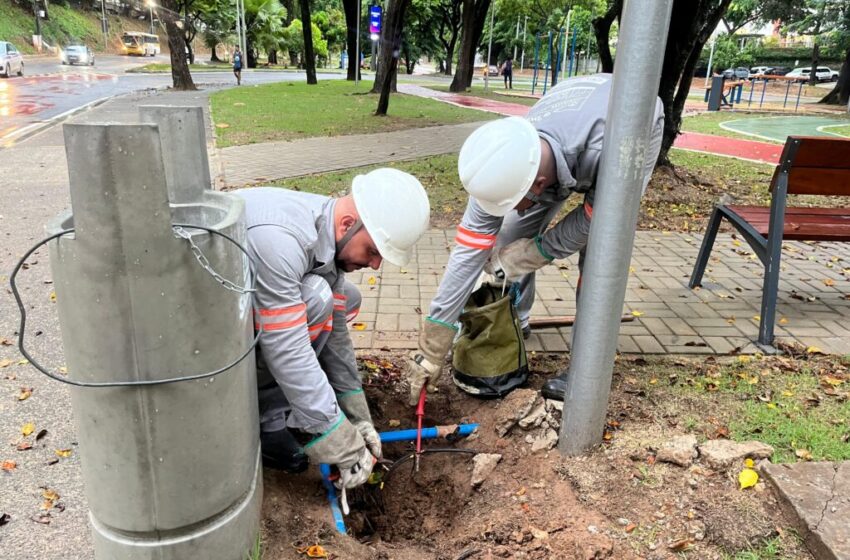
[720, 318]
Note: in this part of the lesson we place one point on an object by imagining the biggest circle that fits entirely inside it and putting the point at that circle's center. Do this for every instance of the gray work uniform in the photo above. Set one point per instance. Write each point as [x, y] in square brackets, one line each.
[571, 119]
[303, 302]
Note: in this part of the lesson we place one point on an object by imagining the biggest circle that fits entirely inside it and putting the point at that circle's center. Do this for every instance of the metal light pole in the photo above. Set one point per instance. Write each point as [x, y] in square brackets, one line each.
[489, 50]
[637, 73]
[103, 24]
[710, 60]
[150, 11]
[516, 37]
[566, 43]
[357, 53]
[524, 31]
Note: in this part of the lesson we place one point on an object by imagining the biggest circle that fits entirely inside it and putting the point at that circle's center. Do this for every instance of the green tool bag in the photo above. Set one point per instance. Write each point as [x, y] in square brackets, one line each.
[489, 355]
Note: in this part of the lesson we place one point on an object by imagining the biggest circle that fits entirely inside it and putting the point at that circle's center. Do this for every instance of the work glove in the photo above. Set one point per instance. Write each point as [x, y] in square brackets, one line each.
[344, 447]
[354, 404]
[515, 260]
[426, 364]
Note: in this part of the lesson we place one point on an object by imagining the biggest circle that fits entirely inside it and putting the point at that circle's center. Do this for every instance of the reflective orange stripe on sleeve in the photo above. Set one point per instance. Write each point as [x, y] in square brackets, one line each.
[339, 302]
[282, 317]
[588, 210]
[474, 240]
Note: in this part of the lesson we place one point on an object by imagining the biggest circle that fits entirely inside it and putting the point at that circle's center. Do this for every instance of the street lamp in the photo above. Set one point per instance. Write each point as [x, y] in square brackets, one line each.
[151, 5]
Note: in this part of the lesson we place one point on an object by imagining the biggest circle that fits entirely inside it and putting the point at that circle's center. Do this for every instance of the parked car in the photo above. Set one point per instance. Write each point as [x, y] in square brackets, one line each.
[761, 71]
[780, 70]
[823, 73]
[76, 54]
[739, 73]
[492, 70]
[11, 60]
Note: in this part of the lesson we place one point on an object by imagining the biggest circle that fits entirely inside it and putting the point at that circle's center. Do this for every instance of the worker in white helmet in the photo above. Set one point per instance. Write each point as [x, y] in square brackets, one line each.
[518, 173]
[307, 375]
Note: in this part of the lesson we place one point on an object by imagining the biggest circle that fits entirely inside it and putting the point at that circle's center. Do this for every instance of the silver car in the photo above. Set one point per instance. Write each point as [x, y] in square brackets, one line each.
[77, 54]
[11, 60]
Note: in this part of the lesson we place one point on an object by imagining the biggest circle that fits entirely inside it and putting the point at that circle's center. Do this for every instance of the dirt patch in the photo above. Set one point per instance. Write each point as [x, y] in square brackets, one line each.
[616, 502]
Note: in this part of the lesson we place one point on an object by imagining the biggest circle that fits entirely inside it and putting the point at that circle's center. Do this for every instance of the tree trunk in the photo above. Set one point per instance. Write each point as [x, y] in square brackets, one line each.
[272, 56]
[472, 27]
[390, 51]
[214, 55]
[307, 28]
[840, 94]
[691, 25]
[250, 53]
[181, 78]
[350, 7]
[813, 75]
[602, 32]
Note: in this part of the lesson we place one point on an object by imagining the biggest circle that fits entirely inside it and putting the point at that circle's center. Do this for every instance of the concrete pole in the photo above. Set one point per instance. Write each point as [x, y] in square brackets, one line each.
[103, 25]
[524, 32]
[637, 73]
[489, 48]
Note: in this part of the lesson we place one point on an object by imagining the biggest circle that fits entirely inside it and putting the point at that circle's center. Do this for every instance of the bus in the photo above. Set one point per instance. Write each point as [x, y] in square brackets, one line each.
[142, 44]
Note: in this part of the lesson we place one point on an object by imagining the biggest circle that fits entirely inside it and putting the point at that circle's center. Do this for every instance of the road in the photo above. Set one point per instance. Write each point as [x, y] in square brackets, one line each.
[50, 90]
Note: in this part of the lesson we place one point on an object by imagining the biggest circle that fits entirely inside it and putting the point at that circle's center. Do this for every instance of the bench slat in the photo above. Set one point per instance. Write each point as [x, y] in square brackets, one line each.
[821, 152]
[801, 224]
[819, 180]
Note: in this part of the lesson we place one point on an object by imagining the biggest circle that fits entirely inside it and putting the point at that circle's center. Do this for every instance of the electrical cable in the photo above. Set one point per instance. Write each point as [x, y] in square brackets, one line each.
[145, 383]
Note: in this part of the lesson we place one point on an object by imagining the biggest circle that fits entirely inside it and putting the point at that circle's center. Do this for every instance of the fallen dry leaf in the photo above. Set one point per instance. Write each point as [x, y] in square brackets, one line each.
[631, 527]
[5, 363]
[314, 551]
[358, 326]
[5, 342]
[24, 445]
[813, 350]
[26, 392]
[5, 518]
[828, 282]
[64, 453]
[9, 465]
[27, 429]
[43, 518]
[41, 433]
[222, 125]
[747, 478]
[49, 494]
[372, 281]
[804, 454]
[637, 313]
[53, 296]
[393, 423]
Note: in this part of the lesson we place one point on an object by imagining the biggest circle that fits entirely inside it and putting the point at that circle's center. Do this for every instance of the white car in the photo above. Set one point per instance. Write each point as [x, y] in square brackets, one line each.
[11, 60]
[76, 54]
[824, 74]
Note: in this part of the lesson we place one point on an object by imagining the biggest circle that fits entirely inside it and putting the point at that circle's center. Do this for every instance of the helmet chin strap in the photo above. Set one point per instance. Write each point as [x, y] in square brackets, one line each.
[352, 231]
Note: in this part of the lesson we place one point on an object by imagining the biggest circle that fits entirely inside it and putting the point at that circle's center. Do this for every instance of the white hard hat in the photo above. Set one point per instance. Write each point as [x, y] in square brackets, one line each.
[499, 162]
[394, 210]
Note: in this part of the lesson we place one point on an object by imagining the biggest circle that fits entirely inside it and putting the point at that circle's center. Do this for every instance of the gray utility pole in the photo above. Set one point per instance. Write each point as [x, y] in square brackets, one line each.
[566, 45]
[103, 25]
[710, 62]
[489, 49]
[637, 73]
[516, 37]
[524, 31]
[357, 53]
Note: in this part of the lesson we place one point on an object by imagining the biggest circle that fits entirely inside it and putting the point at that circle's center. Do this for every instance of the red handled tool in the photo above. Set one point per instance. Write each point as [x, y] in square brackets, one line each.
[420, 414]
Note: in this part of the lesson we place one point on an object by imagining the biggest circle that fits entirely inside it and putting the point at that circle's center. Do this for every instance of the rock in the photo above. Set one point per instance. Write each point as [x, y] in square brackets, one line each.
[724, 453]
[553, 406]
[623, 521]
[681, 450]
[483, 466]
[546, 441]
[539, 534]
[515, 406]
[535, 417]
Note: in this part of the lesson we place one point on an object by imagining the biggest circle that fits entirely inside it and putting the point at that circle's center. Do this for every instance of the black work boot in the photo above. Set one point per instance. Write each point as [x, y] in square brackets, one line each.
[526, 332]
[281, 451]
[555, 388]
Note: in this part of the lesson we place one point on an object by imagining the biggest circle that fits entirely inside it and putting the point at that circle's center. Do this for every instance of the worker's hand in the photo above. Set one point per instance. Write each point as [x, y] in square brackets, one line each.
[515, 260]
[358, 473]
[426, 364]
[343, 447]
[354, 404]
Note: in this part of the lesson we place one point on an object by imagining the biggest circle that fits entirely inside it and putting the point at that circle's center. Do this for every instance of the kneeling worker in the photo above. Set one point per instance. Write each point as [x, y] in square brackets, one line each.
[307, 375]
[518, 173]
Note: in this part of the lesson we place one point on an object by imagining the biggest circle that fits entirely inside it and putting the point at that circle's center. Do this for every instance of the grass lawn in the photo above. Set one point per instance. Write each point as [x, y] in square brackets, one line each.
[478, 91]
[290, 110]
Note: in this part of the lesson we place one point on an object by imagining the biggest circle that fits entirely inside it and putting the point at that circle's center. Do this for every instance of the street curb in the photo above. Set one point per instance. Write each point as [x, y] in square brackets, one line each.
[31, 130]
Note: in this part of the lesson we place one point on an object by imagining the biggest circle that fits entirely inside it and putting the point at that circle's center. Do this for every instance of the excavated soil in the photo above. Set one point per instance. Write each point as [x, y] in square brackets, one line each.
[615, 502]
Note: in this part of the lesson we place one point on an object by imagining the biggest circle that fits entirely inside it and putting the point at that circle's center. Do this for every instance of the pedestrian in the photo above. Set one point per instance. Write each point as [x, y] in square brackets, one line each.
[518, 173]
[310, 390]
[508, 72]
[237, 66]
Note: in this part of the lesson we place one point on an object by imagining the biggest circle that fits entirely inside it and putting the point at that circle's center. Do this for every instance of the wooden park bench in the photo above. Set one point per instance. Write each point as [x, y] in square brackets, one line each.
[809, 165]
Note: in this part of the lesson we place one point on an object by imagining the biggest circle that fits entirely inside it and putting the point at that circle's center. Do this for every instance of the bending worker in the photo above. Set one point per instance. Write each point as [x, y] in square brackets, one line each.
[518, 173]
[306, 371]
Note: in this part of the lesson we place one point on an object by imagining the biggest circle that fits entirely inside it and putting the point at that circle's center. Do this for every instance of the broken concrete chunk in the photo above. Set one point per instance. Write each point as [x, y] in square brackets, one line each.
[724, 453]
[681, 450]
[545, 441]
[515, 406]
[539, 534]
[483, 466]
[554, 406]
[535, 417]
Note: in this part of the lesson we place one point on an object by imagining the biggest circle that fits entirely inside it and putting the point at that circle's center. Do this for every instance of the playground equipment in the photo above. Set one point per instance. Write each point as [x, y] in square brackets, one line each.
[152, 284]
[553, 57]
[720, 94]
